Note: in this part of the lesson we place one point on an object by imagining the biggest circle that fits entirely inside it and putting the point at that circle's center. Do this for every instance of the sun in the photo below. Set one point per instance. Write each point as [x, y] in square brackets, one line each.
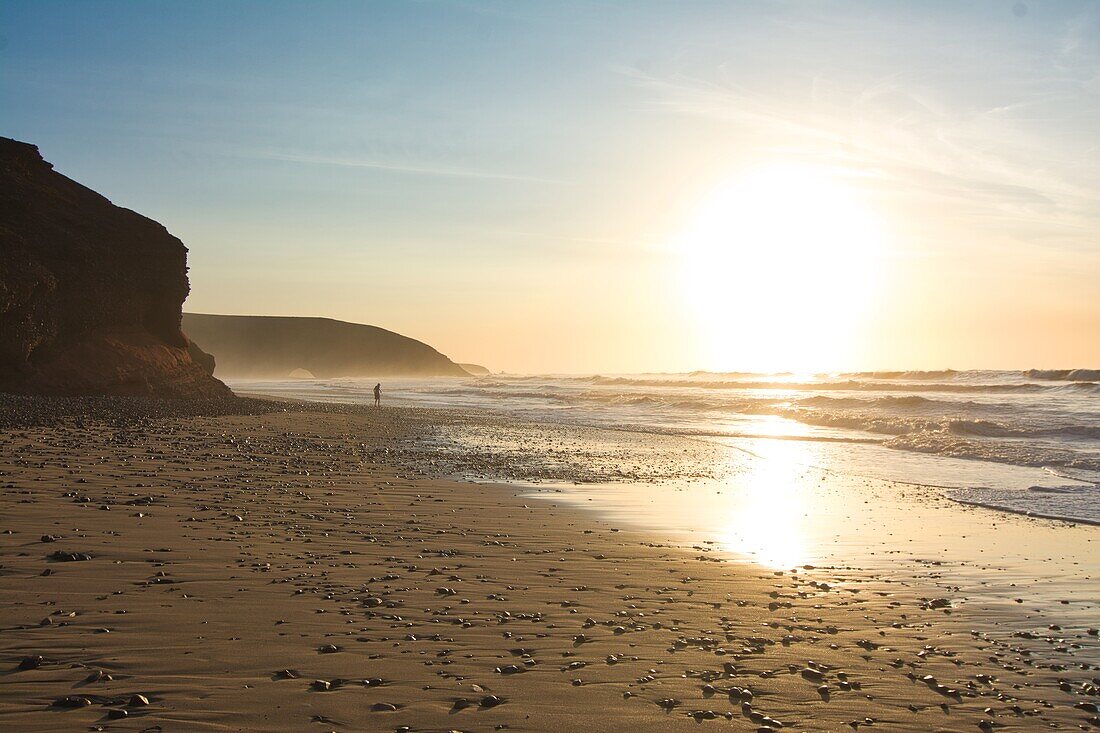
[779, 269]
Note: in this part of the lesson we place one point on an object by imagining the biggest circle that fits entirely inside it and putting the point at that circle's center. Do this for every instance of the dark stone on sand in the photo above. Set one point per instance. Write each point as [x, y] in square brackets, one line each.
[72, 701]
[812, 674]
[491, 701]
[60, 556]
[137, 701]
[32, 662]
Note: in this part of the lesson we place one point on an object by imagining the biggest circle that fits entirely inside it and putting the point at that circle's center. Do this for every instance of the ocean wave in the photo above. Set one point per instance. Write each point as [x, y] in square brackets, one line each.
[1070, 503]
[889, 401]
[916, 374]
[851, 385]
[1018, 453]
[990, 429]
[900, 425]
[1064, 375]
[889, 414]
[1051, 422]
[1054, 489]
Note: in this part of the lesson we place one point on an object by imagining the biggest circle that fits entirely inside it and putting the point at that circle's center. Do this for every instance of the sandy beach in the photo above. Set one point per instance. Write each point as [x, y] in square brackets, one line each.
[275, 571]
[468, 365]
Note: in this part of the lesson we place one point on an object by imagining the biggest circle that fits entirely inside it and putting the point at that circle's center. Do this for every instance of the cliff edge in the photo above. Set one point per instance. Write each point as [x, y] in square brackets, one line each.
[91, 294]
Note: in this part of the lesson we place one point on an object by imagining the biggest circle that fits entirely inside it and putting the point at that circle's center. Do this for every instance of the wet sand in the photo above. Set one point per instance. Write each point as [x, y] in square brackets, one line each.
[298, 571]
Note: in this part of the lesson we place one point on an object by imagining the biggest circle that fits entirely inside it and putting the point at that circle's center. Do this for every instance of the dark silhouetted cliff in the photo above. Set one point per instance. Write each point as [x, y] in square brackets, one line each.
[275, 346]
[90, 293]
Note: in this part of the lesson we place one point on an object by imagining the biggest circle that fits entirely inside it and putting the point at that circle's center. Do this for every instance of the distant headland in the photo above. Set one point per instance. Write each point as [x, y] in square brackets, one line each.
[285, 346]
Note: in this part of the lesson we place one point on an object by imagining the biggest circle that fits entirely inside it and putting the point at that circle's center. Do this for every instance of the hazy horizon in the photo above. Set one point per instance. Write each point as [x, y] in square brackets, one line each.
[604, 187]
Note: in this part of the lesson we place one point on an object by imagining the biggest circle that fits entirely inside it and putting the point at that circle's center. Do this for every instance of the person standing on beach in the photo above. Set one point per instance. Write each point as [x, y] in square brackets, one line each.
[378, 394]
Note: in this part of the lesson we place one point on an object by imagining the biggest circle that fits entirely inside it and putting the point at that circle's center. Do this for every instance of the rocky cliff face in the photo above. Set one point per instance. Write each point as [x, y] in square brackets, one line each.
[90, 293]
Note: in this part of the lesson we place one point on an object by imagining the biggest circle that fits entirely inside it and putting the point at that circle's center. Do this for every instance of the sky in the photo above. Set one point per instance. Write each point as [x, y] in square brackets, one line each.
[603, 186]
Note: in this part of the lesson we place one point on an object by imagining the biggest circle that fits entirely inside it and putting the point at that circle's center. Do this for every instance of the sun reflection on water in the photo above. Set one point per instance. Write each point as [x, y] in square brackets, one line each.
[769, 517]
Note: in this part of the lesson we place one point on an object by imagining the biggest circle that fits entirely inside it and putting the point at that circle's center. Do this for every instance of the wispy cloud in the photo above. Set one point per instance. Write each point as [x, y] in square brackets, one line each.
[912, 137]
[397, 167]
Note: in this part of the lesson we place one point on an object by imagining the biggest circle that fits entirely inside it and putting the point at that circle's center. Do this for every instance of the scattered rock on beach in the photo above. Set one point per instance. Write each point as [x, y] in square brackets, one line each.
[33, 661]
[61, 556]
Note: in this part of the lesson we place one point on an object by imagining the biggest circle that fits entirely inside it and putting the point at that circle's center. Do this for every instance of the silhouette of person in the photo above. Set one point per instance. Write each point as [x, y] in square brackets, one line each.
[377, 395]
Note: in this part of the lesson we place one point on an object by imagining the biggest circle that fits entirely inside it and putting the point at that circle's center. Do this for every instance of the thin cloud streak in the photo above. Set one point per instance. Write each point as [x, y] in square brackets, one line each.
[400, 167]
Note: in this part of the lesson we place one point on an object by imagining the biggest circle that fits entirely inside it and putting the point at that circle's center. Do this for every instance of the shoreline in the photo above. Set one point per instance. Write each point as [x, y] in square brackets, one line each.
[286, 535]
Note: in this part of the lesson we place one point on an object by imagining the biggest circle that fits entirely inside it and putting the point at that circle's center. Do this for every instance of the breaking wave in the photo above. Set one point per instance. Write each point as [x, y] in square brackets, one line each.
[1064, 375]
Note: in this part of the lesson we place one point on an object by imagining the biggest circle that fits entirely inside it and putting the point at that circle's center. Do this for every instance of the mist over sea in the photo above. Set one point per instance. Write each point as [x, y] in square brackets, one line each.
[1020, 441]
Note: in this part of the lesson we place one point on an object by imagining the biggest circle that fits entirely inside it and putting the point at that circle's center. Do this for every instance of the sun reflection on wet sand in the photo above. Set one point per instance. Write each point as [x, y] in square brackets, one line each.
[768, 516]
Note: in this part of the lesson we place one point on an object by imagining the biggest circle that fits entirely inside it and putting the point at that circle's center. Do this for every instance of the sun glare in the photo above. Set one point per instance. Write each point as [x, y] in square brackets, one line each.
[779, 270]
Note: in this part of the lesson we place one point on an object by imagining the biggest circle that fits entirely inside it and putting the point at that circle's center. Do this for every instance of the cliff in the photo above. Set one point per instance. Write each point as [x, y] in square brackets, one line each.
[91, 294]
[275, 346]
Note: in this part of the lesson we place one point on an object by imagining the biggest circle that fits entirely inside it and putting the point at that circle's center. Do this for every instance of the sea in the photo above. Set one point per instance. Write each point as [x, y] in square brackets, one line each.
[1020, 441]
